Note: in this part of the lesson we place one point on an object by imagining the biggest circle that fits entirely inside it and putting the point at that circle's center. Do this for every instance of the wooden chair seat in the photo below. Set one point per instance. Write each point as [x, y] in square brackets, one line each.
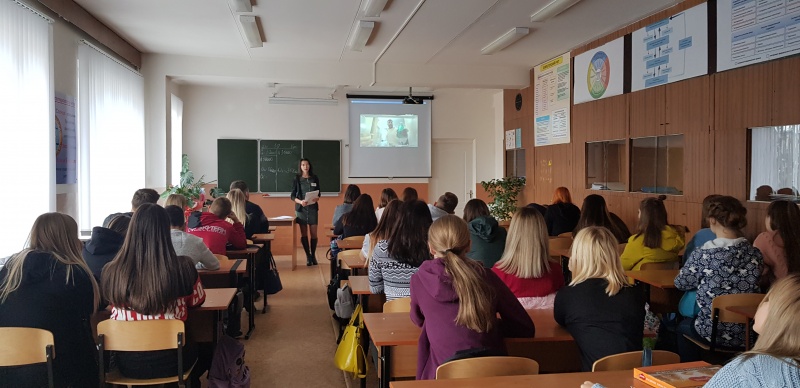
[400, 305]
[487, 367]
[630, 360]
[114, 377]
[26, 346]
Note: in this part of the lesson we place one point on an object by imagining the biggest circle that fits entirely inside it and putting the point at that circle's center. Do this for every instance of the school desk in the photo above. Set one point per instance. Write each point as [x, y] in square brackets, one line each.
[350, 244]
[217, 301]
[664, 298]
[352, 260]
[287, 221]
[610, 379]
[748, 312]
[359, 285]
[563, 254]
[266, 239]
[250, 254]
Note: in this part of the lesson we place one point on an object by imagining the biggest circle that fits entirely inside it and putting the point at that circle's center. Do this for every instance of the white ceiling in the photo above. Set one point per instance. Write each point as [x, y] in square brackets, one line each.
[443, 33]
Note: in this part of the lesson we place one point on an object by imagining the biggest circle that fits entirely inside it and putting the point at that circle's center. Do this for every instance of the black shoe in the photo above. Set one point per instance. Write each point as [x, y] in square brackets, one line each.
[313, 251]
[309, 262]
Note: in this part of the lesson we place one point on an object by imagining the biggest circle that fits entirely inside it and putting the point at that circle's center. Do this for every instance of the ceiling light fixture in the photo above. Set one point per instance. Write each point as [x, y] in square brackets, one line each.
[552, 9]
[505, 40]
[373, 8]
[241, 5]
[360, 36]
[250, 29]
[303, 101]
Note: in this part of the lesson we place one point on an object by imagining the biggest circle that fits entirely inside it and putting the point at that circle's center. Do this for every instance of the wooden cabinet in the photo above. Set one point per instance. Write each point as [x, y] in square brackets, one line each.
[648, 112]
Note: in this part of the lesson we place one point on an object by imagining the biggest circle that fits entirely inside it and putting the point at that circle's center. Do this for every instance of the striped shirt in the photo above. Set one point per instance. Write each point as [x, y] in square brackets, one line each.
[179, 310]
[387, 275]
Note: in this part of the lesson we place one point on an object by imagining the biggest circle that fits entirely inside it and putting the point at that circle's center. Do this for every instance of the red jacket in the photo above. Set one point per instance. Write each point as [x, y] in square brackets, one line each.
[216, 232]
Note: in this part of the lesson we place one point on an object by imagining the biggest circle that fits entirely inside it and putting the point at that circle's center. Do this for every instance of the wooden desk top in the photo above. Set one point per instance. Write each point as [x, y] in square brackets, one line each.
[612, 379]
[661, 278]
[250, 250]
[217, 299]
[281, 221]
[561, 252]
[352, 259]
[349, 244]
[746, 311]
[263, 237]
[359, 285]
[225, 268]
[329, 226]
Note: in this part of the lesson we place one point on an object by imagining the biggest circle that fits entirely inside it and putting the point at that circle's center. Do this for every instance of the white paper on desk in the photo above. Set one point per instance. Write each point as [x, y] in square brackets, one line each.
[312, 197]
[280, 218]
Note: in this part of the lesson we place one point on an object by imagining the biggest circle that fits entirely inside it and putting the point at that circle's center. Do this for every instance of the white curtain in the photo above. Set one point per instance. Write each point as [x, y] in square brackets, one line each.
[775, 158]
[176, 136]
[27, 148]
[111, 121]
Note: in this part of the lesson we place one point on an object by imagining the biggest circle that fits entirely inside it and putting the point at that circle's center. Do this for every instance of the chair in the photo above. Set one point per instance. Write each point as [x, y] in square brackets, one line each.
[25, 346]
[565, 235]
[355, 238]
[487, 367]
[559, 244]
[630, 360]
[401, 305]
[141, 336]
[661, 265]
[719, 314]
[249, 241]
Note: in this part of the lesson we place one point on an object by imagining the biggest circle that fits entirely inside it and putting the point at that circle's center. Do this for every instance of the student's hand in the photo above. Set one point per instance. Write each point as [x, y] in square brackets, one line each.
[232, 216]
[304, 203]
[587, 384]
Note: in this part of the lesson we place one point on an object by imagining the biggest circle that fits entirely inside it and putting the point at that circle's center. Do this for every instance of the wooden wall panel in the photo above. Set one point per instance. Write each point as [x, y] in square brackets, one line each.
[786, 74]
[647, 112]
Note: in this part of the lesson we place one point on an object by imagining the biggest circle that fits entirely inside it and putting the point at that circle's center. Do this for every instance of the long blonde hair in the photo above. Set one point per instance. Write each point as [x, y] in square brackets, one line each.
[449, 238]
[780, 335]
[177, 200]
[56, 234]
[238, 202]
[594, 256]
[527, 246]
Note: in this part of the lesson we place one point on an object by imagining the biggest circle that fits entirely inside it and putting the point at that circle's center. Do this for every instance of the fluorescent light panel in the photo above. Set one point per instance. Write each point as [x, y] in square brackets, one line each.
[303, 101]
[241, 5]
[250, 28]
[506, 40]
[360, 36]
[373, 8]
[552, 9]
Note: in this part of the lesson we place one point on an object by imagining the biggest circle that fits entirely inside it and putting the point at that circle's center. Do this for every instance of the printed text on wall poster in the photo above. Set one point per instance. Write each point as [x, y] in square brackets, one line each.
[552, 101]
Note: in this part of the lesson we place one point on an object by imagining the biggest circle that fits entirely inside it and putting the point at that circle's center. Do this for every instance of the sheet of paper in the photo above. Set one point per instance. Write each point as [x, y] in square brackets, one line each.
[312, 197]
[283, 218]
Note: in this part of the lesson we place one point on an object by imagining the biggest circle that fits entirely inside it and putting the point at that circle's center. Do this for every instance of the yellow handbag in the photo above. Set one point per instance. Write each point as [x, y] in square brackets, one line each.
[350, 356]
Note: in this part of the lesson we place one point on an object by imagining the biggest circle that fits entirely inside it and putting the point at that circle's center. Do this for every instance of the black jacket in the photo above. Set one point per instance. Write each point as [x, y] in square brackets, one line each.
[561, 218]
[297, 192]
[339, 228]
[45, 300]
[101, 249]
[257, 222]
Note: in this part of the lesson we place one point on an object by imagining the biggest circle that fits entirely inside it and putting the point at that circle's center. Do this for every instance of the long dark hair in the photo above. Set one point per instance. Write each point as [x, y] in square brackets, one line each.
[594, 212]
[410, 194]
[784, 217]
[362, 213]
[652, 220]
[387, 195]
[146, 275]
[351, 194]
[475, 208]
[408, 242]
[300, 170]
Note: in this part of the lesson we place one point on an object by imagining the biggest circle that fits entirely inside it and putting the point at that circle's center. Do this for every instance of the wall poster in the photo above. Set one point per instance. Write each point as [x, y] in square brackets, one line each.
[551, 101]
[604, 72]
[66, 140]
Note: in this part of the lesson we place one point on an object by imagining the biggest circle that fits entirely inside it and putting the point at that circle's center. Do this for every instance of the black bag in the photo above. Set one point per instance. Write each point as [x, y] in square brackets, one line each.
[272, 280]
[333, 288]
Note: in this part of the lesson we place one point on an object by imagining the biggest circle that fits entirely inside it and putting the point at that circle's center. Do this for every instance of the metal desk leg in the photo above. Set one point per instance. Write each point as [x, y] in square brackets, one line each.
[251, 315]
[217, 326]
[362, 300]
[386, 358]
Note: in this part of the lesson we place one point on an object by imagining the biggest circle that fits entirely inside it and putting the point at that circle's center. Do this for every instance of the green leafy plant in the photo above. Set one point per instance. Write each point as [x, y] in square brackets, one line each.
[189, 187]
[504, 194]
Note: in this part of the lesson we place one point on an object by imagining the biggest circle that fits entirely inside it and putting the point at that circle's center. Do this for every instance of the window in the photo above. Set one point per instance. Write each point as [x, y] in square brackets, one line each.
[176, 136]
[774, 163]
[605, 164]
[27, 151]
[111, 131]
[515, 163]
[657, 164]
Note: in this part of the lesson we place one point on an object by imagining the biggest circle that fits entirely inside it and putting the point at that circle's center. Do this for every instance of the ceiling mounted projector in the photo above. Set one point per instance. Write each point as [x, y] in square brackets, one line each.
[411, 99]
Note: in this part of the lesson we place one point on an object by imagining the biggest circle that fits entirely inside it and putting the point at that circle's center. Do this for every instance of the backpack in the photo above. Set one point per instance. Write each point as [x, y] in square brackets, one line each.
[344, 306]
[228, 369]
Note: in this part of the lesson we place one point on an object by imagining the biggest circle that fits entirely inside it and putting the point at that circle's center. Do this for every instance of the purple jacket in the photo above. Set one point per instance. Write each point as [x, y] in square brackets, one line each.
[434, 306]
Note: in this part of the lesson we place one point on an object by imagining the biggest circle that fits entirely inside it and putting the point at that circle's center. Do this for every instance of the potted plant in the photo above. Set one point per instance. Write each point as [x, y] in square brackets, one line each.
[189, 188]
[504, 194]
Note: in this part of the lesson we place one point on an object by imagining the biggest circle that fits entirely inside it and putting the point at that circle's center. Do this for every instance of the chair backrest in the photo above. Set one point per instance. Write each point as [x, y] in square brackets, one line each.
[487, 367]
[661, 265]
[630, 360]
[401, 305]
[249, 241]
[24, 345]
[140, 336]
[565, 235]
[559, 243]
[354, 238]
[719, 304]
[221, 258]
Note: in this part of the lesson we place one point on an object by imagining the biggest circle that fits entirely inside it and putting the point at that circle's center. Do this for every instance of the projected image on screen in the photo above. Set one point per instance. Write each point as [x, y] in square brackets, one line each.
[389, 130]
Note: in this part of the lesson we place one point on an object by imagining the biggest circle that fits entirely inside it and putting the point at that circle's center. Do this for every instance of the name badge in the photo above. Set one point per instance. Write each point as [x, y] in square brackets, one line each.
[313, 184]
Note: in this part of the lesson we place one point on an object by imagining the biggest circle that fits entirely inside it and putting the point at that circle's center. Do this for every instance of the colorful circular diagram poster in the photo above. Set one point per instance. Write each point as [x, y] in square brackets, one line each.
[604, 69]
[598, 74]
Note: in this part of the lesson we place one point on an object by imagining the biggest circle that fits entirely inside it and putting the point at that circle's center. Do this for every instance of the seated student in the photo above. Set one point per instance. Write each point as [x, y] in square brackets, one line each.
[256, 221]
[186, 244]
[147, 280]
[540, 208]
[446, 204]
[394, 260]
[705, 234]
[410, 194]
[525, 266]
[48, 286]
[359, 221]
[456, 302]
[215, 231]
[387, 195]
[104, 244]
[726, 265]
[594, 212]
[562, 216]
[238, 200]
[655, 240]
[140, 197]
[383, 229]
[487, 236]
[177, 200]
[780, 244]
[350, 196]
[599, 308]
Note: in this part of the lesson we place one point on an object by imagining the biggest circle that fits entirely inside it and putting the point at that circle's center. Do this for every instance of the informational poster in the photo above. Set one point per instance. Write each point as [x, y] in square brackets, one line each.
[753, 31]
[604, 70]
[551, 101]
[518, 137]
[514, 139]
[670, 50]
[66, 140]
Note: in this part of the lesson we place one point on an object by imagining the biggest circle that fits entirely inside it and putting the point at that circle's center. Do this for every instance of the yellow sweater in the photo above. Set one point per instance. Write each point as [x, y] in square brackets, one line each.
[636, 253]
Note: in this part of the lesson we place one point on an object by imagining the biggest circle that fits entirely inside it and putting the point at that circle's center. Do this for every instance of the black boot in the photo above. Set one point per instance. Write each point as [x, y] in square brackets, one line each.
[314, 251]
[304, 241]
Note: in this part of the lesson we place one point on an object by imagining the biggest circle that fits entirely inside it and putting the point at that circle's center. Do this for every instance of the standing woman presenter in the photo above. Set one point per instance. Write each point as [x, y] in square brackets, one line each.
[304, 182]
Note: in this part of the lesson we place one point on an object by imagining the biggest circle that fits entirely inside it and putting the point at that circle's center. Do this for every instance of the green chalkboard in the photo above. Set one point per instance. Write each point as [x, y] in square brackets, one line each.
[237, 159]
[325, 156]
[278, 161]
